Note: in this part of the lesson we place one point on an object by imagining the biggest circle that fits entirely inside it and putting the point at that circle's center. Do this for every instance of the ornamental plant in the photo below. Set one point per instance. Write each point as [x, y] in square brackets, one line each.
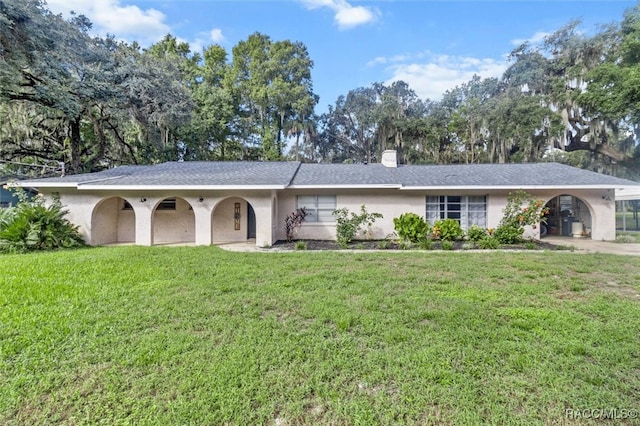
[521, 210]
[31, 225]
[447, 230]
[476, 233]
[293, 221]
[411, 227]
[348, 224]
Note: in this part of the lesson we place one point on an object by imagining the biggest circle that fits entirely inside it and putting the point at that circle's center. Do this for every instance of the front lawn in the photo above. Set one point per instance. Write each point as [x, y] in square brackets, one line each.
[196, 335]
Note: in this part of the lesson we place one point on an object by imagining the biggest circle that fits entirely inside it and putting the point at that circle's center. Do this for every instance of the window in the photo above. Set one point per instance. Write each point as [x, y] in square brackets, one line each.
[319, 208]
[468, 210]
[167, 204]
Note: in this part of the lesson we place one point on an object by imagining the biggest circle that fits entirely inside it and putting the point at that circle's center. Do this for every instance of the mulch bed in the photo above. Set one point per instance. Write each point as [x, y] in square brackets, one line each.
[392, 245]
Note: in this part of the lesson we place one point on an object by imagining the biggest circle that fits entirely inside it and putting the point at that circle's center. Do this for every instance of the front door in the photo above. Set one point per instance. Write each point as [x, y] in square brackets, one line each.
[251, 222]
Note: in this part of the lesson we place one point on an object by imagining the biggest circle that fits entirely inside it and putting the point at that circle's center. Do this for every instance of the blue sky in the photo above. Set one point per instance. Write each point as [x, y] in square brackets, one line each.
[432, 45]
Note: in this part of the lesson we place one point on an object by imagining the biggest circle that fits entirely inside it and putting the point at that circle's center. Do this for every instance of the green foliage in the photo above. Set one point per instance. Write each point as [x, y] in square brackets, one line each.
[447, 230]
[468, 245]
[488, 243]
[508, 234]
[405, 245]
[384, 244]
[476, 233]
[411, 227]
[348, 224]
[521, 210]
[301, 245]
[446, 245]
[31, 226]
[426, 243]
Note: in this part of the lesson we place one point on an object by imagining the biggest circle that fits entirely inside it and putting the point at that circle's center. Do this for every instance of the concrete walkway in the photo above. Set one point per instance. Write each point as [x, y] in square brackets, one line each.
[593, 246]
[577, 244]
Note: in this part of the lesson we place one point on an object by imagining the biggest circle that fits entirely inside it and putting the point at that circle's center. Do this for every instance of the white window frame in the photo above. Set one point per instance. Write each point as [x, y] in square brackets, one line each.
[471, 211]
[319, 208]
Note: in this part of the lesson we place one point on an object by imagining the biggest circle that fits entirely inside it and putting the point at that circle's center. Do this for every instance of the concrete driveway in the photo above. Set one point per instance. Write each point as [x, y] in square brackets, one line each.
[592, 246]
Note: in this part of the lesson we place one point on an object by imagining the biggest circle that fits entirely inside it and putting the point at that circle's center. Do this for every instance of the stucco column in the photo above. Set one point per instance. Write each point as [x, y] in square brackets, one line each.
[144, 223]
[264, 220]
[202, 215]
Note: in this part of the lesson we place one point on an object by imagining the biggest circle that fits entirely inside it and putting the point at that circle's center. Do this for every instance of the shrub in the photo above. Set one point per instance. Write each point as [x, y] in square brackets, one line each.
[447, 230]
[349, 223]
[31, 225]
[508, 234]
[405, 245]
[301, 245]
[447, 245]
[530, 245]
[488, 243]
[293, 221]
[521, 210]
[384, 244]
[476, 233]
[426, 243]
[468, 245]
[411, 227]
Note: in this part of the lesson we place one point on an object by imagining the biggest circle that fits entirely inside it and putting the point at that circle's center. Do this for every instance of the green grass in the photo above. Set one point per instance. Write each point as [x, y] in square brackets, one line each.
[195, 335]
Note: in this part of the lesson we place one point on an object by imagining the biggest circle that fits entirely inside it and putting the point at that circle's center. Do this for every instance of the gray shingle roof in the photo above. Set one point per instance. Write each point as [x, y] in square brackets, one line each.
[486, 175]
[283, 174]
[189, 173]
[345, 174]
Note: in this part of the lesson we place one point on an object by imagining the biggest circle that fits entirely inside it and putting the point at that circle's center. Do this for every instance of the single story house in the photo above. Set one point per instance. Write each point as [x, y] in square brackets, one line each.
[215, 202]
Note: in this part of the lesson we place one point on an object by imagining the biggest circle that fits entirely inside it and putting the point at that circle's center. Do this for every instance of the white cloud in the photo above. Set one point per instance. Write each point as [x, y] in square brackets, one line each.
[215, 35]
[346, 15]
[205, 39]
[535, 39]
[123, 21]
[442, 72]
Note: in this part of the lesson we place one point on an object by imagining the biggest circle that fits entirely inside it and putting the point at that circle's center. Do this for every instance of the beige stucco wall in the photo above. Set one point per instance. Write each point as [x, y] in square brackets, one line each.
[223, 221]
[174, 226]
[211, 219]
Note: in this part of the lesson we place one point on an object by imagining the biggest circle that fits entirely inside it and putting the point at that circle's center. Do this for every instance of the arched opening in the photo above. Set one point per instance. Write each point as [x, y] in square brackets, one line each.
[173, 222]
[569, 216]
[233, 220]
[113, 221]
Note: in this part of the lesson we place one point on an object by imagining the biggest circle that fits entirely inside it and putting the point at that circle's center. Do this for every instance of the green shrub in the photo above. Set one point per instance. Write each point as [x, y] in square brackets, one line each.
[521, 210]
[446, 245]
[384, 244]
[411, 227]
[405, 245]
[530, 245]
[301, 245]
[488, 243]
[31, 225]
[448, 230]
[426, 243]
[468, 245]
[508, 234]
[476, 233]
[348, 223]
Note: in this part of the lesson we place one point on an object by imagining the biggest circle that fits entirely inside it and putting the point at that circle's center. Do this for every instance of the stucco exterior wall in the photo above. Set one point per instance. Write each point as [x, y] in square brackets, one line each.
[224, 222]
[174, 226]
[205, 217]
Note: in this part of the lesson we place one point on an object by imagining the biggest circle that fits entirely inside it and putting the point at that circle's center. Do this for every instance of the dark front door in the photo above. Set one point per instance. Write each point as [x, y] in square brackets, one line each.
[251, 222]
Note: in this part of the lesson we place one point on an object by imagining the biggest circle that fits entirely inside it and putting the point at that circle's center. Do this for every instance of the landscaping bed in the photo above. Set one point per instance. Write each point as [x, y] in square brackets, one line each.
[396, 245]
